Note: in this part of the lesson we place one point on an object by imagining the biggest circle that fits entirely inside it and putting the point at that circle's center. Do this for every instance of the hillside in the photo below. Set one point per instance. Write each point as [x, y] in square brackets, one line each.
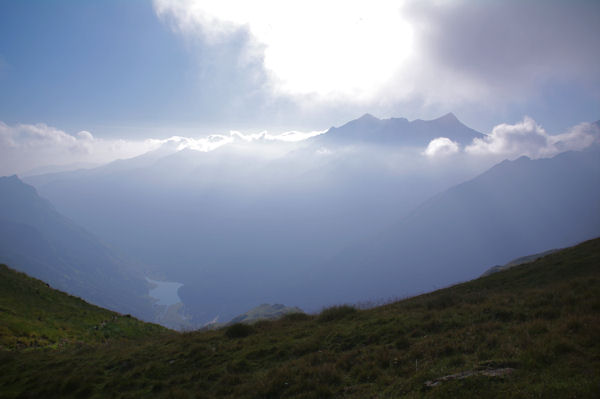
[38, 240]
[34, 315]
[516, 208]
[258, 313]
[265, 312]
[530, 331]
[516, 262]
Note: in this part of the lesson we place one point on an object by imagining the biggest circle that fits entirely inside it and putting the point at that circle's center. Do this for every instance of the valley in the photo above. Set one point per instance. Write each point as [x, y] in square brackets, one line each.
[299, 199]
[262, 222]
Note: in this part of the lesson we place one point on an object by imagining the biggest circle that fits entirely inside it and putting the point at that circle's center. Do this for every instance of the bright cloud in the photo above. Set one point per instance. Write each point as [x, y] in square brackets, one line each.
[325, 47]
[441, 146]
[383, 54]
[203, 144]
[214, 141]
[42, 135]
[24, 147]
[530, 139]
[290, 137]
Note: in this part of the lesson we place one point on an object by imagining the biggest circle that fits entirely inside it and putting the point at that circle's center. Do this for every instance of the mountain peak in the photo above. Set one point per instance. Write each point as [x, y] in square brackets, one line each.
[9, 185]
[449, 117]
[12, 179]
[399, 131]
[367, 117]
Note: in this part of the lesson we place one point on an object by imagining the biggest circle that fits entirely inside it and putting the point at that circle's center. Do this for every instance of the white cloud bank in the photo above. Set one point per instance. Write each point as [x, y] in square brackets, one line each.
[290, 137]
[530, 139]
[525, 138]
[25, 147]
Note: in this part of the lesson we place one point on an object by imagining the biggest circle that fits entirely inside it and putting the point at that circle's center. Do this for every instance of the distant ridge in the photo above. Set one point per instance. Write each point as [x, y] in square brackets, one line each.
[259, 313]
[399, 131]
[516, 207]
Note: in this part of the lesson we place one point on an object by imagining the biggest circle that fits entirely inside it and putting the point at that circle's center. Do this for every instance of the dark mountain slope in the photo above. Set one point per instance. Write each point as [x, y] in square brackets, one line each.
[530, 331]
[36, 239]
[517, 207]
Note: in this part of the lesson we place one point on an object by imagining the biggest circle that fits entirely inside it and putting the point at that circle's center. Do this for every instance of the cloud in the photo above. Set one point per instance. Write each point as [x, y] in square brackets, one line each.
[323, 151]
[497, 52]
[214, 141]
[27, 146]
[330, 48]
[42, 136]
[530, 139]
[290, 136]
[385, 52]
[578, 137]
[441, 146]
[203, 144]
[24, 147]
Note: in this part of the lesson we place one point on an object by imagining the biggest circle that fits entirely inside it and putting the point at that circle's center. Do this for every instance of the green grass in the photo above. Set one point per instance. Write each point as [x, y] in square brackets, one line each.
[336, 313]
[33, 315]
[541, 319]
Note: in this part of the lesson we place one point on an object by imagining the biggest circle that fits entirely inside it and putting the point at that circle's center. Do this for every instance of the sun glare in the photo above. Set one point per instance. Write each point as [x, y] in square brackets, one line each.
[328, 48]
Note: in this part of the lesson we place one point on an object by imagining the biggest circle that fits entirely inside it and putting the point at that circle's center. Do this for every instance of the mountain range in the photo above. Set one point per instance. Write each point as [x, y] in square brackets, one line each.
[225, 220]
[355, 214]
[399, 131]
[516, 207]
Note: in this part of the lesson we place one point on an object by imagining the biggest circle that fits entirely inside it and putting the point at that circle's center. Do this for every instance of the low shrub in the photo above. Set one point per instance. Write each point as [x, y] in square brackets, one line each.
[336, 313]
[238, 330]
[297, 316]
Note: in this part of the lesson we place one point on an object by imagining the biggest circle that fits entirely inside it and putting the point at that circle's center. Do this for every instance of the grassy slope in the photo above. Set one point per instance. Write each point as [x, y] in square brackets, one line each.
[516, 262]
[541, 318]
[33, 315]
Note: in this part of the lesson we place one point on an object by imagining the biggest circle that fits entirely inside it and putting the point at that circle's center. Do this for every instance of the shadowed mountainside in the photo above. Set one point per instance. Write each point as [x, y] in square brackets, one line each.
[522, 206]
[36, 239]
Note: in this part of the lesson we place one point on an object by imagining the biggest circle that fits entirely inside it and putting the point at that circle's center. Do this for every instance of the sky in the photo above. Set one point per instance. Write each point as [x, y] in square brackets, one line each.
[119, 76]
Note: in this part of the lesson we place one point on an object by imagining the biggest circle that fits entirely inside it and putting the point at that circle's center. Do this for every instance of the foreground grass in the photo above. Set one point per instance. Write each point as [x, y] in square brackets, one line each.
[540, 320]
[33, 315]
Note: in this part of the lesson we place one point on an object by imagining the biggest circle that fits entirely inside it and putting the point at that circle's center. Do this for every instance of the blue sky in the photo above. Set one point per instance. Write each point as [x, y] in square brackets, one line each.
[80, 64]
[151, 69]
